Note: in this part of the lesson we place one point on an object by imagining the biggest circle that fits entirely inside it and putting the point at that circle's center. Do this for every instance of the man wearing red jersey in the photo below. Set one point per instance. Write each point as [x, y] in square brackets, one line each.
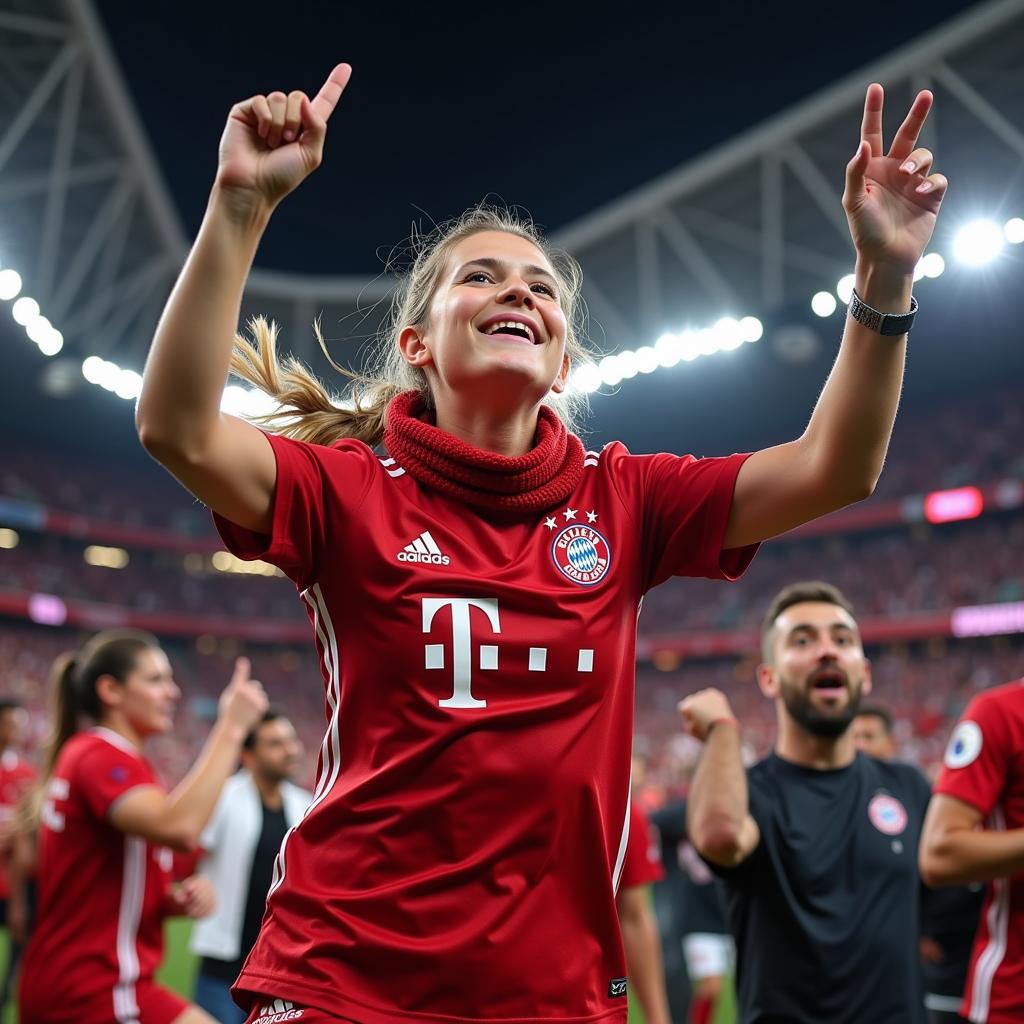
[974, 832]
[640, 937]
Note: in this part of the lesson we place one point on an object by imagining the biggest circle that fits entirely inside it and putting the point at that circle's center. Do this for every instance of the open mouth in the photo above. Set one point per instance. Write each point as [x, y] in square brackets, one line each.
[511, 330]
[829, 682]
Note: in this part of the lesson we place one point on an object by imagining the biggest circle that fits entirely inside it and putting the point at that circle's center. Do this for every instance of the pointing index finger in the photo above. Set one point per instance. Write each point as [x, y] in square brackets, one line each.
[330, 92]
[871, 126]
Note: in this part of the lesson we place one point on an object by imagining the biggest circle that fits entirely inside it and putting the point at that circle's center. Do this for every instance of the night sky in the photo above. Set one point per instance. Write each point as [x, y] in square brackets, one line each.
[558, 107]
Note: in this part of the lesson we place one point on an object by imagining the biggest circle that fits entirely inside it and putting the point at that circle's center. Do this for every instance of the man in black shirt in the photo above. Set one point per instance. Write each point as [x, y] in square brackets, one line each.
[817, 844]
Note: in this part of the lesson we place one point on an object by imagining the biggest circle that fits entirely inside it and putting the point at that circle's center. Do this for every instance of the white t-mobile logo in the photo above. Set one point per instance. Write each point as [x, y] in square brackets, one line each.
[462, 645]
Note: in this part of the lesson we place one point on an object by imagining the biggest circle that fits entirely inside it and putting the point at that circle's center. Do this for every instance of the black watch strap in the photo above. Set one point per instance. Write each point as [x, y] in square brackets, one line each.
[889, 324]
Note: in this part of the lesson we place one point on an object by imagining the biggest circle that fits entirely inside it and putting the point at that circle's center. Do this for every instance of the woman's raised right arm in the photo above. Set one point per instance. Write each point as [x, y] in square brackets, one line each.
[270, 144]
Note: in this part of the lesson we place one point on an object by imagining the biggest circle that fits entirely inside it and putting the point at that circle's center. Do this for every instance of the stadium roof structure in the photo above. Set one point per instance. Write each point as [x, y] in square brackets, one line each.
[751, 227]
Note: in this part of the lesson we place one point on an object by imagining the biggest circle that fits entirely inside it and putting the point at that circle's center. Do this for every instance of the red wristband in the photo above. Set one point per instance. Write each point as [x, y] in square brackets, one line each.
[717, 721]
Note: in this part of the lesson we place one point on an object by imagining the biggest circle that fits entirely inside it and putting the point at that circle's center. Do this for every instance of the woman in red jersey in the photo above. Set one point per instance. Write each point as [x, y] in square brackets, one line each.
[107, 831]
[474, 589]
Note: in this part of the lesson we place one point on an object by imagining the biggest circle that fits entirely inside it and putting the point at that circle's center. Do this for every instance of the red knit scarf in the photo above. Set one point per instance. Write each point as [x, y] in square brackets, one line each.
[542, 478]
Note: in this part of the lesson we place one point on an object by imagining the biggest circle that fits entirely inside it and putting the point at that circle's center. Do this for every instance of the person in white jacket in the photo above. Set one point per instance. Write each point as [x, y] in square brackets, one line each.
[256, 808]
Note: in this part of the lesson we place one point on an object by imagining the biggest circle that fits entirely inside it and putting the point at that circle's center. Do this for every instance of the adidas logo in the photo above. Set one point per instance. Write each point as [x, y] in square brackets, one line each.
[423, 549]
[277, 1012]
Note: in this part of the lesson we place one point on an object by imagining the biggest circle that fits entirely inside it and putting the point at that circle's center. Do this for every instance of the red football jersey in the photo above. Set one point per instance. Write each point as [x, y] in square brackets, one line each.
[99, 925]
[16, 777]
[460, 855]
[643, 851]
[984, 767]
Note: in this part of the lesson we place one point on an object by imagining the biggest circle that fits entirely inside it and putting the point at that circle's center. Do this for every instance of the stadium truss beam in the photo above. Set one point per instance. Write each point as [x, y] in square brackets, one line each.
[754, 226]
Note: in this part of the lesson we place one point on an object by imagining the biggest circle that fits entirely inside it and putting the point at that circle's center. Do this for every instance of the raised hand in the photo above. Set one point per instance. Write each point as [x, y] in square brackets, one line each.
[271, 143]
[892, 199]
[702, 709]
[243, 701]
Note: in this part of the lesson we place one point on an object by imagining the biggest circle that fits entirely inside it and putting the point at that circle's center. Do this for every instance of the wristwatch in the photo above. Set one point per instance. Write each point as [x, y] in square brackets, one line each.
[889, 324]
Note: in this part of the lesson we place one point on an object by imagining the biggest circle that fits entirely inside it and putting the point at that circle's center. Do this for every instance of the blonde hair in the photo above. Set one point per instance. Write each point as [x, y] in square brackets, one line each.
[307, 411]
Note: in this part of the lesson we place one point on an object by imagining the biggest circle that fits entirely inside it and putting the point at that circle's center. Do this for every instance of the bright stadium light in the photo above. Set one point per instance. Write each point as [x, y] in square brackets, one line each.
[668, 350]
[932, 265]
[10, 284]
[690, 346]
[609, 367]
[52, 343]
[1013, 231]
[978, 243]
[38, 328]
[628, 366]
[823, 303]
[751, 329]
[25, 310]
[587, 378]
[92, 369]
[129, 385]
[728, 333]
[109, 375]
[646, 359]
[844, 289]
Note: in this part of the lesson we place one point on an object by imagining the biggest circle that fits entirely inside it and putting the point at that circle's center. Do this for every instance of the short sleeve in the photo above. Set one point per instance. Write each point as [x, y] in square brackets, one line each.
[685, 505]
[978, 756]
[315, 484]
[106, 775]
[642, 864]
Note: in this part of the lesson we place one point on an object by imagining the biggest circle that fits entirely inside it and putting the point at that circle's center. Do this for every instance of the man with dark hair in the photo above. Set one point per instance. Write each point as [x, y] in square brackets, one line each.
[816, 844]
[256, 808]
[872, 732]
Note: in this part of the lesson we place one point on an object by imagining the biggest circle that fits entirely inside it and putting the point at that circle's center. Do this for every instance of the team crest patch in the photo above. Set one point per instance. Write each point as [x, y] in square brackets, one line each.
[581, 554]
[964, 745]
[887, 814]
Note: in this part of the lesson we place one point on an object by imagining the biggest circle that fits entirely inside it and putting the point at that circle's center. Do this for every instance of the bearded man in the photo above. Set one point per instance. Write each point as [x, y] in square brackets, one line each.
[817, 843]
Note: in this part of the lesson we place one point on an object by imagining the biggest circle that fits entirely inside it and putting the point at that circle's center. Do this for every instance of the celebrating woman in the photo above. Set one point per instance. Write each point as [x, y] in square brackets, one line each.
[474, 589]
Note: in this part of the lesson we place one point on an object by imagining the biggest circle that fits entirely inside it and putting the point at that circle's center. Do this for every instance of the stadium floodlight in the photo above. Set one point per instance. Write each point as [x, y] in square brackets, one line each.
[690, 345]
[646, 359]
[1013, 231]
[668, 350]
[587, 378]
[25, 310]
[628, 365]
[92, 369]
[609, 368]
[10, 284]
[38, 328]
[728, 333]
[129, 385]
[844, 289]
[109, 375]
[707, 342]
[932, 265]
[751, 329]
[52, 343]
[823, 303]
[978, 243]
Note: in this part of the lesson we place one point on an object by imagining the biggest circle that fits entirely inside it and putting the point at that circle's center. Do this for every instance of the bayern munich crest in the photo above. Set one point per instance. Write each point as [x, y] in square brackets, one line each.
[887, 814]
[581, 554]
